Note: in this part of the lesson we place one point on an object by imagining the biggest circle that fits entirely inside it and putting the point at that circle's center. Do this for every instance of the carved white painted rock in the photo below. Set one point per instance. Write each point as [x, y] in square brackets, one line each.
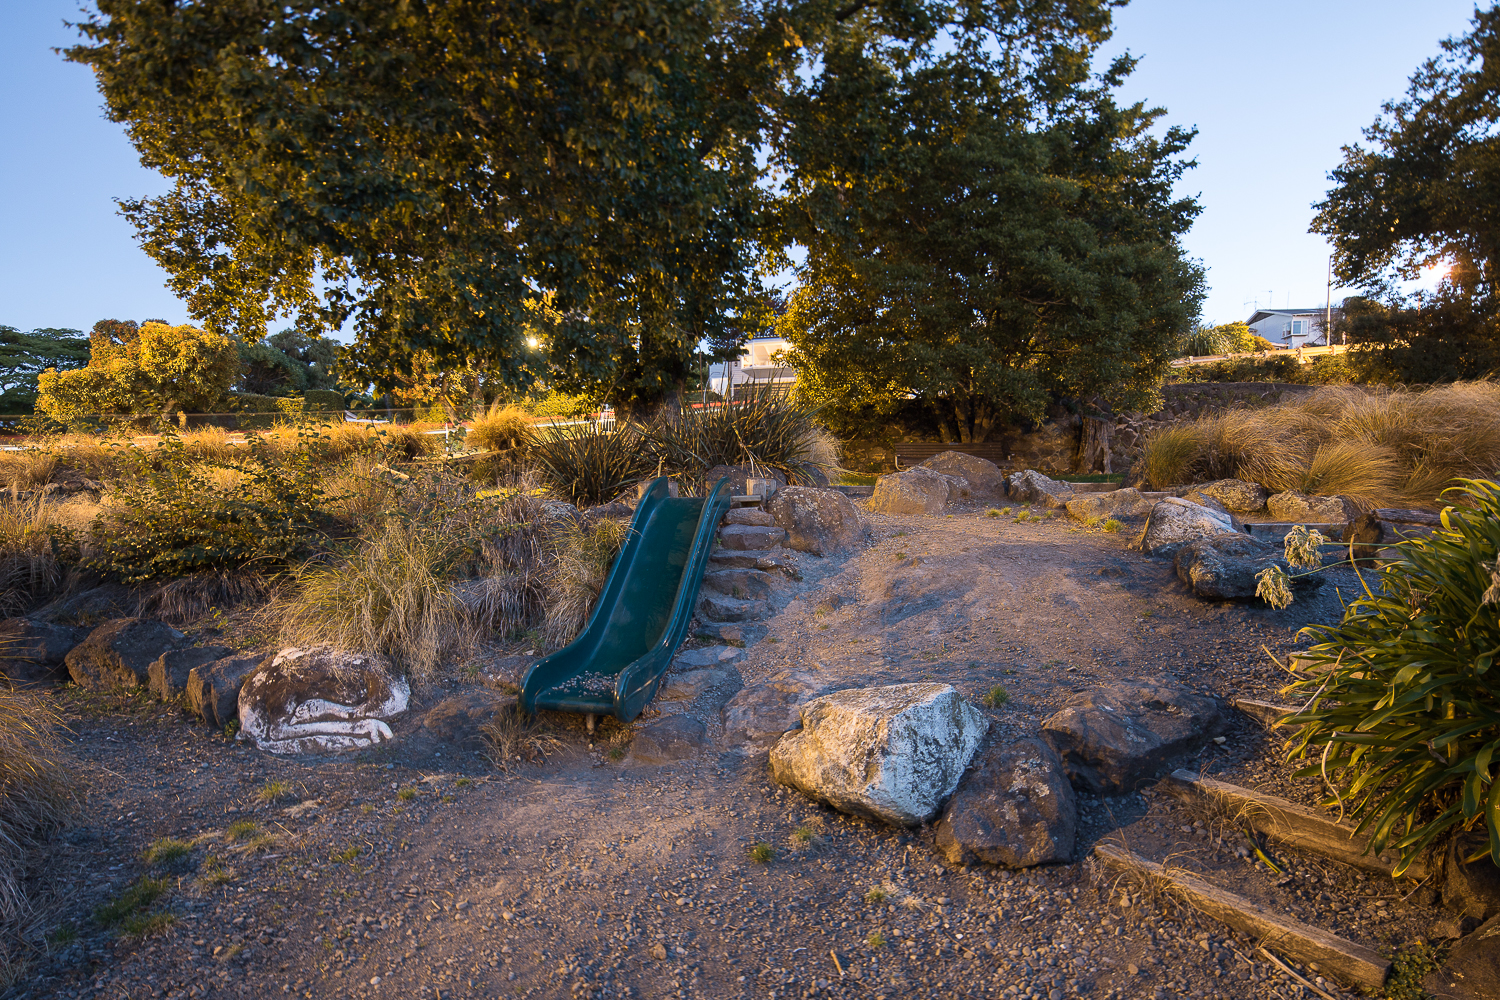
[320, 700]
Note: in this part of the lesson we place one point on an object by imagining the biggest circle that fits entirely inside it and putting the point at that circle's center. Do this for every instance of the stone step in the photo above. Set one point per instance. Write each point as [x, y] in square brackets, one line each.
[1352, 963]
[772, 560]
[721, 608]
[751, 584]
[750, 537]
[745, 634]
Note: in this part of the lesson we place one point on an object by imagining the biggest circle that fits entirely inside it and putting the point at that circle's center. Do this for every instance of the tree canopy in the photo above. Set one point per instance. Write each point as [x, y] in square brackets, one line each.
[459, 175]
[24, 356]
[153, 368]
[1007, 248]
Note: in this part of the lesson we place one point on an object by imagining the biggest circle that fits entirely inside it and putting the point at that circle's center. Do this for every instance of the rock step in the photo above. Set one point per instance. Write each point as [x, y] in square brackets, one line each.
[722, 608]
[1353, 963]
[750, 537]
[730, 632]
[1276, 531]
[751, 584]
[769, 559]
[1286, 822]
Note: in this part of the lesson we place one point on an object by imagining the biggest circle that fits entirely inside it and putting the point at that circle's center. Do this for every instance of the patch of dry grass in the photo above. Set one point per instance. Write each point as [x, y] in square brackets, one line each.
[584, 554]
[1380, 448]
[25, 470]
[512, 738]
[501, 429]
[35, 551]
[40, 788]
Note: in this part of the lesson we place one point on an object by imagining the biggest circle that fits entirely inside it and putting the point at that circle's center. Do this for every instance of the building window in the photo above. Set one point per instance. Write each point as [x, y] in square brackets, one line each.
[1299, 328]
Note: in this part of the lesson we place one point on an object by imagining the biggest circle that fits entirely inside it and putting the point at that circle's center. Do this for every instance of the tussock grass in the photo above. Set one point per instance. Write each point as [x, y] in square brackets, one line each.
[584, 554]
[35, 551]
[209, 444]
[389, 596]
[1380, 448]
[26, 470]
[503, 428]
[40, 788]
[188, 598]
[588, 464]
[512, 738]
[360, 490]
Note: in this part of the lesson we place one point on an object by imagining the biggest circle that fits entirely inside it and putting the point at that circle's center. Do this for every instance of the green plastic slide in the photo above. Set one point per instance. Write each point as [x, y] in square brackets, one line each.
[642, 615]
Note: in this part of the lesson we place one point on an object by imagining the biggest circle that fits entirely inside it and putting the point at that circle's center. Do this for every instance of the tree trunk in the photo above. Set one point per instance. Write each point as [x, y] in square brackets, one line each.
[1093, 452]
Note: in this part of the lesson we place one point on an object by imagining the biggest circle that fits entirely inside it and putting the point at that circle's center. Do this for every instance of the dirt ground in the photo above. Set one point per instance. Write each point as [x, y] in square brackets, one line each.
[417, 870]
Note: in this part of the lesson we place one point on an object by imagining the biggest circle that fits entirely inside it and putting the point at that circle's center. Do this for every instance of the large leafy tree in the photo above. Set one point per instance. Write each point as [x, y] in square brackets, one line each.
[436, 169]
[1424, 188]
[994, 248]
[153, 368]
[24, 356]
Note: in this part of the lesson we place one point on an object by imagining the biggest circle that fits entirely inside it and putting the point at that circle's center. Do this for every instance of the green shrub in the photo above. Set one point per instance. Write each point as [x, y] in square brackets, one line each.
[1404, 719]
[589, 464]
[176, 518]
[324, 401]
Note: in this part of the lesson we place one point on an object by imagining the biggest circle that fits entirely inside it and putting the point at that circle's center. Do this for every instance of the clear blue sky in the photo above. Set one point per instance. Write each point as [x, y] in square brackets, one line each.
[1275, 89]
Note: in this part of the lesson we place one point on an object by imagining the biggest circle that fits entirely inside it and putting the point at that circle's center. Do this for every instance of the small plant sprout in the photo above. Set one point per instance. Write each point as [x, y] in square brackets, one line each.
[346, 856]
[762, 852]
[1004, 511]
[1273, 586]
[992, 512]
[243, 830]
[995, 697]
[876, 895]
[130, 902]
[615, 753]
[273, 791]
[803, 835]
[167, 851]
[1112, 526]
[875, 940]
[1302, 547]
[406, 794]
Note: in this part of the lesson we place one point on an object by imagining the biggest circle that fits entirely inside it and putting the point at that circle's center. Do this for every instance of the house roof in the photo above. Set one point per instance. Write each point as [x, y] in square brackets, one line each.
[1261, 314]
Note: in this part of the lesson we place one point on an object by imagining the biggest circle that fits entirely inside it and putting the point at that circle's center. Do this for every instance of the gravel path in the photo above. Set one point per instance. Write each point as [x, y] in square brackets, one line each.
[417, 870]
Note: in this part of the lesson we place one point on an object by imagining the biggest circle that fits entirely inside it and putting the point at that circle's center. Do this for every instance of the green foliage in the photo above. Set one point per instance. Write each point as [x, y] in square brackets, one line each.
[991, 257]
[1403, 722]
[762, 852]
[131, 902]
[172, 518]
[1409, 967]
[155, 369]
[995, 697]
[595, 169]
[561, 404]
[266, 371]
[589, 464]
[325, 401]
[1453, 333]
[1225, 338]
[317, 357]
[24, 356]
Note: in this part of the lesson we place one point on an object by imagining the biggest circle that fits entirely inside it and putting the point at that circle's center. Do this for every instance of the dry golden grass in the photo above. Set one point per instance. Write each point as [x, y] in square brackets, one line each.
[359, 490]
[26, 470]
[501, 429]
[35, 549]
[209, 444]
[40, 788]
[389, 596]
[584, 554]
[1380, 448]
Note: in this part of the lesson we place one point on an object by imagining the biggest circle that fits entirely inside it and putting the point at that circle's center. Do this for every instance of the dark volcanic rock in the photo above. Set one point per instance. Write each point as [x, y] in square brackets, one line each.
[668, 740]
[1014, 808]
[1118, 737]
[168, 673]
[33, 652]
[118, 654]
[1223, 567]
[213, 690]
[1471, 889]
[1472, 971]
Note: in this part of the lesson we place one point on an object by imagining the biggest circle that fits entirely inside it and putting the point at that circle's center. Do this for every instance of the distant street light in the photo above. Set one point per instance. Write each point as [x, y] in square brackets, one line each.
[532, 342]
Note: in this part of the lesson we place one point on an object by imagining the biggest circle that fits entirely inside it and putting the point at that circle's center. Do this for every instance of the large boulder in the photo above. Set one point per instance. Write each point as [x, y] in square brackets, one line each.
[1175, 522]
[916, 491]
[1305, 509]
[461, 719]
[213, 690]
[119, 653]
[1223, 567]
[891, 753]
[1472, 971]
[1470, 888]
[168, 673]
[768, 709]
[1117, 737]
[1236, 495]
[667, 740]
[983, 476]
[1030, 486]
[823, 522]
[1015, 808]
[320, 700]
[1124, 504]
[33, 653]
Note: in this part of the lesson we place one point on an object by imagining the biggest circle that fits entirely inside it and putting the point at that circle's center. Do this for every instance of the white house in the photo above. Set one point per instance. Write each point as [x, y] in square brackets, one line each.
[754, 366]
[1290, 327]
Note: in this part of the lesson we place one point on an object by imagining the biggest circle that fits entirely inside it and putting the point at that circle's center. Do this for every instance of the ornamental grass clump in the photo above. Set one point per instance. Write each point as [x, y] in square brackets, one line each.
[40, 789]
[590, 464]
[767, 429]
[1403, 721]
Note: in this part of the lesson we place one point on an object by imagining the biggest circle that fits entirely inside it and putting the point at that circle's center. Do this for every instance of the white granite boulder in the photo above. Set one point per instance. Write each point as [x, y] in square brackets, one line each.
[1175, 522]
[320, 700]
[1124, 503]
[891, 753]
[1031, 487]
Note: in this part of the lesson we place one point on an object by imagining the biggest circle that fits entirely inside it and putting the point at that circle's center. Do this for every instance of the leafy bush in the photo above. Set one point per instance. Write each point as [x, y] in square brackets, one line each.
[1403, 722]
[173, 520]
[157, 368]
[39, 788]
[589, 464]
